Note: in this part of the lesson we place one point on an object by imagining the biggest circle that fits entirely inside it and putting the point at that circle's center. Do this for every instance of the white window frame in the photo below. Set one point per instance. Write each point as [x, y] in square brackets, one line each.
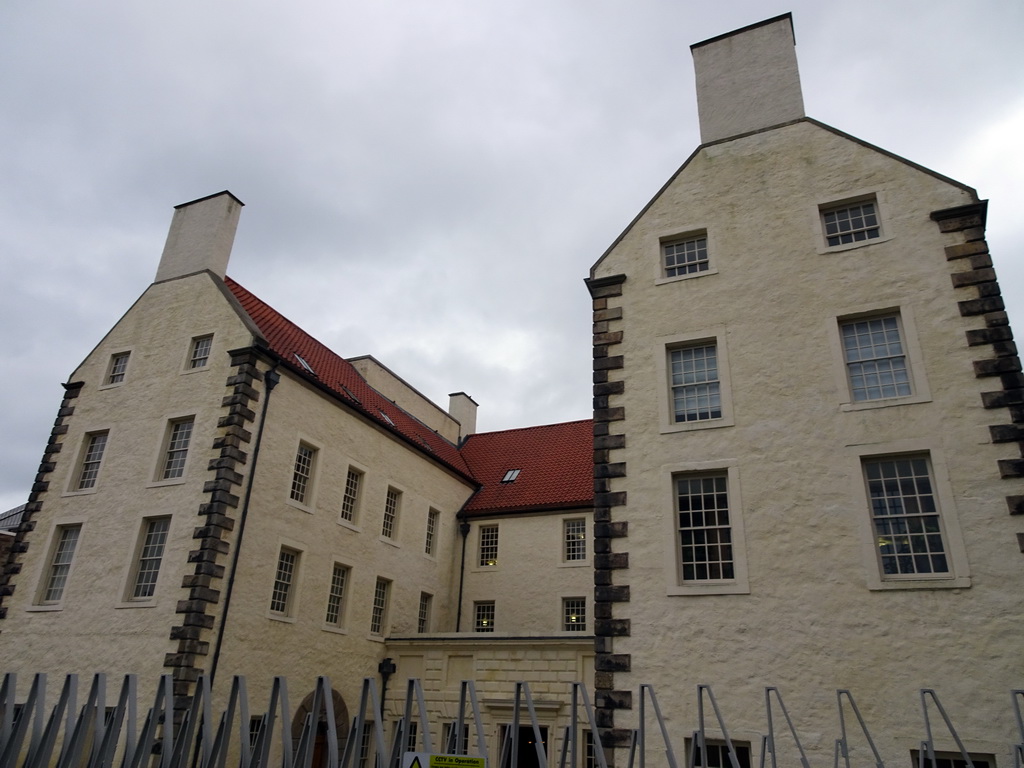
[380, 608]
[308, 501]
[274, 609]
[721, 750]
[950, 757]
[433, 528]
[391, 514]
[190, 356]
[580, 603]
[655, 244]
[75, 487]
[664, 347]
[483, 561]
[43, 600]
[854, 197]
[484, 611]
[144, 554]
[337, 597]
[165, 450]
[126, 355]
[919, 389]
[423, 614]
[354, 501]
[674, 585]
[959, 575]
[568, 542]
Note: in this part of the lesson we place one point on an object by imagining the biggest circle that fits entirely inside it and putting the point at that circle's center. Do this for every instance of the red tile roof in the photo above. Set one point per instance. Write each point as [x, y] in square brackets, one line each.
[337, 375]
[556, 464]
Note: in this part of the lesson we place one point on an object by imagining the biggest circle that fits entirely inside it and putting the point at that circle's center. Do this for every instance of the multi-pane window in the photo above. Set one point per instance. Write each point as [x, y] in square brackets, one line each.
[305, 456]
[336, 595]
[379, 614]
[718, 754]
[574, 614]
[154, 539]
[60, 563]
[284, 581]
[685, 257]
[851, 223]
[118, 368]
[178, 440]
[952, 760]
[905, 517]
[199, 352]
[695, 384]
[391, 505]
[365, 741]
[704, 530]
[423, 618]
[483, 616]
[95, 445]
[876, 362]
[350, 499]
[575, 539]
[433, 517]
[488, 545]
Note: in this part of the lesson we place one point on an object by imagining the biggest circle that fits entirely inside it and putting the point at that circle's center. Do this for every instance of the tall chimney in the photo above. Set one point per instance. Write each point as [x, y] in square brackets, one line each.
[201, 235]
[748, 79]
[462, 408]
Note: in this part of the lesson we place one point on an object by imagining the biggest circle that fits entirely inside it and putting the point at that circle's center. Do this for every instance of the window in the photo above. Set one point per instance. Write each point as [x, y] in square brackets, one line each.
[423, 619]
[151, 552]
[284, 580]
[336, 595]
[392, 503]
[718, 754]
[574, 614]
[575, 539]
[118, 368]
[91, 459]
[851, 223]
[350, 500]
[685, 256]
[483, 616]
[704, 529]
[952, 760]
[66, 539]
[876, 362]
[695, 383]
[365, 743]
[905, 518]
[379, 615]
[411, 731]
[305, 458]
[199, 352]
[178, 438]
[449, 734]
[433, 516]
[511, 476]
[488, 546]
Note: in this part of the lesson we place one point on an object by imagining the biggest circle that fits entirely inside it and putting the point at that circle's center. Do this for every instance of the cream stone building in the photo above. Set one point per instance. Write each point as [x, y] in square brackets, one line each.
[806, 409]
[223, 495]
[803, 472]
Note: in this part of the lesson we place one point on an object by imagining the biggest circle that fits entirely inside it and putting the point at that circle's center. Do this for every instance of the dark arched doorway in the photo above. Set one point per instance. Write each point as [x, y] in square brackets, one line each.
[320, 742]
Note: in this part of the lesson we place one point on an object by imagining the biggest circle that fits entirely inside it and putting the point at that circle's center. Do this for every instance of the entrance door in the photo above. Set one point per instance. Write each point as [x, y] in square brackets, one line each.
[526, 747]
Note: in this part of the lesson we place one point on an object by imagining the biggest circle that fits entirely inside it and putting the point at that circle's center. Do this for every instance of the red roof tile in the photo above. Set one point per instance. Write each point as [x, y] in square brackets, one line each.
[556, 464]
[335, 373]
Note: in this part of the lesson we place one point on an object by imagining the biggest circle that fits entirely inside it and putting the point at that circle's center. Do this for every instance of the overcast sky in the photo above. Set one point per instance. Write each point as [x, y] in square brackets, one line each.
[426, 182]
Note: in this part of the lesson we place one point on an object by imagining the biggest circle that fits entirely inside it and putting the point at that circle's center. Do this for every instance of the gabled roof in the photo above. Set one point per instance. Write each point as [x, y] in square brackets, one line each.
[555, 463]
[332, 372]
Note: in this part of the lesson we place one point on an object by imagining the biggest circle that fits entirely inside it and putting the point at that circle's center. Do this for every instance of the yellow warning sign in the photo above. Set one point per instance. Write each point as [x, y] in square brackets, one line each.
[428, 760]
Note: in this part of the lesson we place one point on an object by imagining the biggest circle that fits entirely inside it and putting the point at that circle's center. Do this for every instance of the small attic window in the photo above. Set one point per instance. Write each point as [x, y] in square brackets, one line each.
[511, 475]
[304, 364]
[385, 417]
[349, 392]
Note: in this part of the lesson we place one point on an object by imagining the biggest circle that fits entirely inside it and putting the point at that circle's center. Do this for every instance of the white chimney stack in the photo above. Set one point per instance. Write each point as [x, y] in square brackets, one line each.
[462, 408]
[747, 80]
[201, 235]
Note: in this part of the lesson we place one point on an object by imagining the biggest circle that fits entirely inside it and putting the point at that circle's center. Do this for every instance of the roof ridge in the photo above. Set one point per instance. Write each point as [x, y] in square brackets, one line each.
[535, 426]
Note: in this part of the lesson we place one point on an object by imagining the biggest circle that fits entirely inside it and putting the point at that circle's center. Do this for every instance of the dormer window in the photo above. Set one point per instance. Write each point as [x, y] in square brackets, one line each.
[511, 475]
[385, 417]
[304, 364]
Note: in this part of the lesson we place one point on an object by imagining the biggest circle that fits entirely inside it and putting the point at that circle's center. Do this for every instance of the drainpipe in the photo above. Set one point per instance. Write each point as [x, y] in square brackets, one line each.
[386, 668]
[464, 530]
[271, 377]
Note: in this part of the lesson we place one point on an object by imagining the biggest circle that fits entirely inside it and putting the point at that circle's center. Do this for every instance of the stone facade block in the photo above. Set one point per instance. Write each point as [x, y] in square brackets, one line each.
[617, 469]
[612, 561]
[613, 594]
[973, 277]
[612, 662]
[612, 627]
[980, 306]
[989, 335]
[996, 366]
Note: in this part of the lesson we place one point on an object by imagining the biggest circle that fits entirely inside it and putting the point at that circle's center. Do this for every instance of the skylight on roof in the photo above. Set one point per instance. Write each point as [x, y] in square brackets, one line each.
[511, 475]
[385, 417]
[303, 363]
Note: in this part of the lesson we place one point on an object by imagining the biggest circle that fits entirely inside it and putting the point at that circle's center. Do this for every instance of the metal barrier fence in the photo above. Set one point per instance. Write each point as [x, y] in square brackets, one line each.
[95, 735]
